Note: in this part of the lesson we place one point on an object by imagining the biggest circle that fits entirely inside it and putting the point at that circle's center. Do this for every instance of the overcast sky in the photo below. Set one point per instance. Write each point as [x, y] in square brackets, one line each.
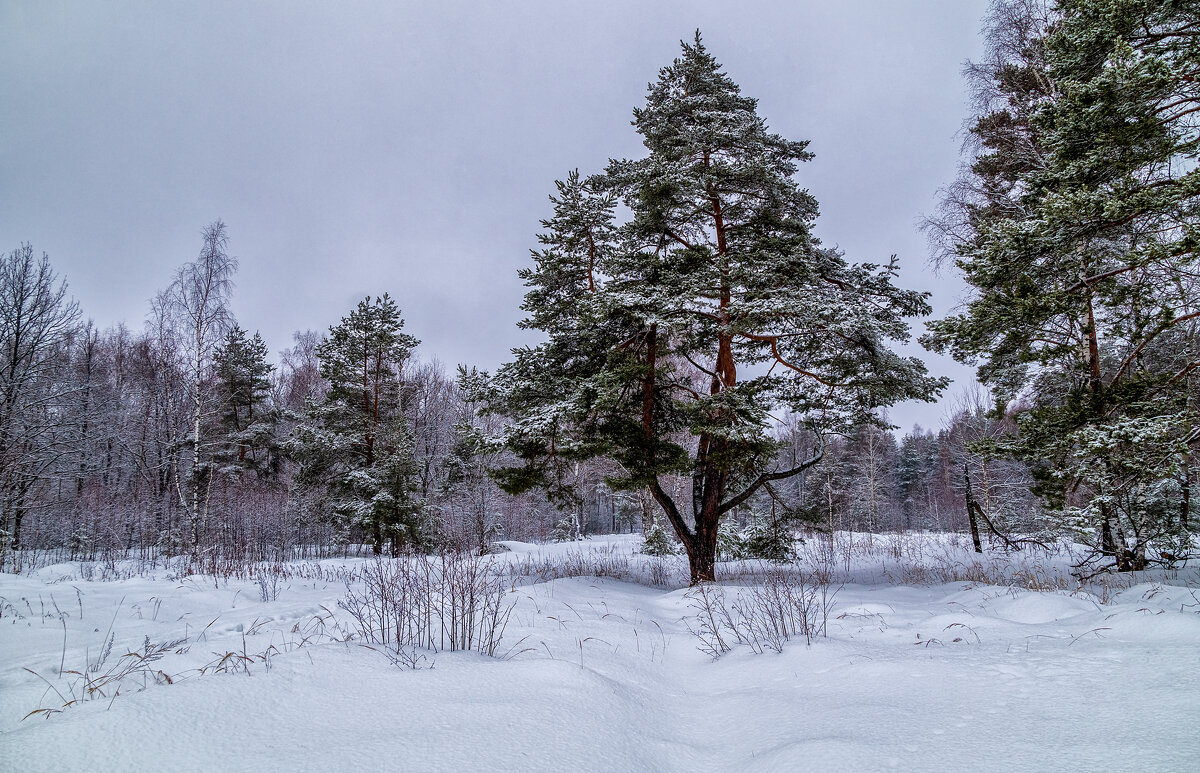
[357, 148]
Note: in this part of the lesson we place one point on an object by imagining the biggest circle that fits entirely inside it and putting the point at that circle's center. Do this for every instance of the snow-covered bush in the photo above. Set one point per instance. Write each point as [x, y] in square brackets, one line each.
[566, 529]
[730, 546]
[657, 542]
[761, 538]
[766, 540]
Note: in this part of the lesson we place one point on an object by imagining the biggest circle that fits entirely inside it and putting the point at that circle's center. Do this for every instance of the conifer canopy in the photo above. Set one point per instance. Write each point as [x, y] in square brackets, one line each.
[673, 332]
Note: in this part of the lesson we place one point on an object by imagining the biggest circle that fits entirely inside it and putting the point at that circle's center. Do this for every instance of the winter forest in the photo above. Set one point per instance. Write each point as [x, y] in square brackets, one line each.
[688, 487]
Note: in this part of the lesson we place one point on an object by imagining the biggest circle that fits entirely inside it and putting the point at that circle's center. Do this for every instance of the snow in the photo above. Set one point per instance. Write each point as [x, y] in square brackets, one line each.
[603, 674]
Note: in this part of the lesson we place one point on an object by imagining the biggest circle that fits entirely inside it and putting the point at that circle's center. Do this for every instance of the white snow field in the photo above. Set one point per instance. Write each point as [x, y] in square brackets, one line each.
[934, 661]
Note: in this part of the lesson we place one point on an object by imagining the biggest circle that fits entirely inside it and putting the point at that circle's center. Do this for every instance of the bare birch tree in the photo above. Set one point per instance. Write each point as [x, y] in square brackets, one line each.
[199, 302]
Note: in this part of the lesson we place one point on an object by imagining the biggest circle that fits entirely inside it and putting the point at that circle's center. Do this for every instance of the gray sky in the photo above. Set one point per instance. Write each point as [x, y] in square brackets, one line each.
[353, 148]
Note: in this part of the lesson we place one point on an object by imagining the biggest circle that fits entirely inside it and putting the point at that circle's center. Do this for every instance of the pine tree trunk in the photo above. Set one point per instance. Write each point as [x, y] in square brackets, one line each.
[701, 542]
[1186, 503]
[702, 554]
[1112, 540]
[1108, 519]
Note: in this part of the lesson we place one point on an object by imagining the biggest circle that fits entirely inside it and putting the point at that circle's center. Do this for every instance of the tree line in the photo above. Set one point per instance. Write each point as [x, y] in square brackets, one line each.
[184, 438]
[705, 362]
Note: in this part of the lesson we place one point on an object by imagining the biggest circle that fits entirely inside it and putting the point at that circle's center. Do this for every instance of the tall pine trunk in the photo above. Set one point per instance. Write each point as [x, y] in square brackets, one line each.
[702, 553]
[1109, 525]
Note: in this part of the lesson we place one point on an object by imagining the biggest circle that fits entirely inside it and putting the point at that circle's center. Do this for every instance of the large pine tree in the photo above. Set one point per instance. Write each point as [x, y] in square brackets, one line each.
[671, 335]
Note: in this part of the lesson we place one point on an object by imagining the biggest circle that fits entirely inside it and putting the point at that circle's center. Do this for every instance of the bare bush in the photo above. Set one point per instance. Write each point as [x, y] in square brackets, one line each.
[605, 561]
[602, 562]
[712, 619]
[782, 604]
[455, 601]
[660, 571]
[268, 586]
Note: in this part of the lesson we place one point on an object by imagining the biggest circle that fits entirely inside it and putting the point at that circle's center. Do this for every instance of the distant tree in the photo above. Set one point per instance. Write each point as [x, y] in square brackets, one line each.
[37, 320]
[916, 470]
[161, 373]
[716, 267]
[247, 419]
[300, 372]
[434, 409]
[470, 494]
[355, 446]
[871, 460]
[197, 302]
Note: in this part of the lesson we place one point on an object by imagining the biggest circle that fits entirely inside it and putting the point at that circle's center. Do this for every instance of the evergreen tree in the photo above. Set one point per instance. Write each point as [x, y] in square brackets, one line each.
[355, 446]
[656, 542]
[396, 508]
[767, 537]
[1083, 263]
[247, 420]
[649, 320]
[915, 466]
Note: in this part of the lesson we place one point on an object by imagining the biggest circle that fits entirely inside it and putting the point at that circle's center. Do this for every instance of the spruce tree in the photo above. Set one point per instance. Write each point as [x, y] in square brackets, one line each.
[673, 333]
[247, 420]
[355, 446]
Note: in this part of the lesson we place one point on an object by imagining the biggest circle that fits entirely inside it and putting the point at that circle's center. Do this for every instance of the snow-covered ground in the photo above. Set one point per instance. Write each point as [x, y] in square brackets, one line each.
[604, 673]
